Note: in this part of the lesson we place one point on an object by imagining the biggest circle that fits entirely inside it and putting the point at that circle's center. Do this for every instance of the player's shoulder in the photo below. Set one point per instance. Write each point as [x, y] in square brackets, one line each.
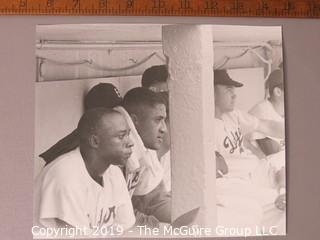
[260, 108]
[114, 172]
[240, 115]
[115, 178]
[232, 116]
[243, 118]
[66, 168]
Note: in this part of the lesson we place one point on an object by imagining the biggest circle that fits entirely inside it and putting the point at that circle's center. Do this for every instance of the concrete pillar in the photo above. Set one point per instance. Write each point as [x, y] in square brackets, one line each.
[189, 52]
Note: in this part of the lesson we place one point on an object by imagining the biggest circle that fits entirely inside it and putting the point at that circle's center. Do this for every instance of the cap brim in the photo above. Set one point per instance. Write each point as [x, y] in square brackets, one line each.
[236, 84]
[230, 83]
[221, 77]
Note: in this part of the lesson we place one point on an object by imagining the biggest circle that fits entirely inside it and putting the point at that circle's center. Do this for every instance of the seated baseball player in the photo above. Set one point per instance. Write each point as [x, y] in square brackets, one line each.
[271, 109]
[85, 188]
[235, 124]
[147, 110]
[231, 126]
[155, 78]
[164, 153]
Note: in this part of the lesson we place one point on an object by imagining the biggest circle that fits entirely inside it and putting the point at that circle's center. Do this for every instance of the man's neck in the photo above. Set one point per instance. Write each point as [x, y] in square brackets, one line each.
[278, 106]
[95, 167]
[218, 113]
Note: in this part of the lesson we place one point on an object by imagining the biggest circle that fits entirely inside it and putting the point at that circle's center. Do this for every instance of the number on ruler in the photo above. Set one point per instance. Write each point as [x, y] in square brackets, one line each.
[314, 8]
[237, 6]
[130, 3]
[211, 5]
[103, 4]
[50, 3]
[288, 6]
[264, 6]
[76, 3]
[157, 4]
[23, 3]
[185, 4]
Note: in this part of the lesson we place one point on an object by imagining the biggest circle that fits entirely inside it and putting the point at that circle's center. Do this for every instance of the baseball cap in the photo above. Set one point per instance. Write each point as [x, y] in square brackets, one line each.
[221, 77]
[102, 95]
[275, 79]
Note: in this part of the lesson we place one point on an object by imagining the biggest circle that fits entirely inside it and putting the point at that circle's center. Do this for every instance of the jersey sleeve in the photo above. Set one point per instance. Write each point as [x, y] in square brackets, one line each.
[61, 199]
[125, 215]
[248, 123]
[259, 112]
[152, 174]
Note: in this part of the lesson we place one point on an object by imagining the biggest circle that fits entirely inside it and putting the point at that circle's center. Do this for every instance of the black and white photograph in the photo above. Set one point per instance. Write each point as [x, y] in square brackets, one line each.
[249, 130]
[159, 130]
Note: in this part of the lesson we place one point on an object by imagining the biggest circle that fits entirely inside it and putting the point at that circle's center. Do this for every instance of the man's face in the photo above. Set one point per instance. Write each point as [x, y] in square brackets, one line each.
[224, 97]
[114, 141]
[151, 125]
[279, 94]
[159, 87]
[166, 138]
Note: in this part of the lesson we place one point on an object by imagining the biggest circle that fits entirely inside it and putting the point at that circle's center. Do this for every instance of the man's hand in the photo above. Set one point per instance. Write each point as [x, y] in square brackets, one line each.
[280, 178]
[281, 202]
[146, 220]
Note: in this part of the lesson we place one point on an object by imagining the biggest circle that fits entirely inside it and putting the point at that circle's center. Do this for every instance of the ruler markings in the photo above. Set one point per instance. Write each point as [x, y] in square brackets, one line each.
[258, 8]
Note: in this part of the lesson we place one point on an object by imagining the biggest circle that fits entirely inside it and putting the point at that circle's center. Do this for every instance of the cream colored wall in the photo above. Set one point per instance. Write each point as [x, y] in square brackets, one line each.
[252, 91]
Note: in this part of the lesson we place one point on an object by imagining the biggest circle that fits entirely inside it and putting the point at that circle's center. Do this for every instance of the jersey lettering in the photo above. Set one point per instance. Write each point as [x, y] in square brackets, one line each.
[105, 217]
[132, 182]
[234, 141]
[132, 179]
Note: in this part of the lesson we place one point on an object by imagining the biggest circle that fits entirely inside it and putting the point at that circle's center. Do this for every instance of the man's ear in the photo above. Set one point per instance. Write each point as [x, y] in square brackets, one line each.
[94, 141]
[277, 91]
[134, 119]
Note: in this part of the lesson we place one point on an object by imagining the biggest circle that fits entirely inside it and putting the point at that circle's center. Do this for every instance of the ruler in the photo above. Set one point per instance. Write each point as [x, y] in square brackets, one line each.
[219, 8]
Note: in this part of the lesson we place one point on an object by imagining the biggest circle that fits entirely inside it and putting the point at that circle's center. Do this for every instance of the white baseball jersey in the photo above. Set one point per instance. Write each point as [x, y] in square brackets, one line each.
[65, 190]
[240, 195]
[166, 165]
[265, 110]
[143, 169]
[152, 174]
[229, 132]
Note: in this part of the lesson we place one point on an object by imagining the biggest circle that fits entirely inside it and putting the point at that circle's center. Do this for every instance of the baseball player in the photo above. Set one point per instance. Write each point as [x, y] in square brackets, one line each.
[231, 125]
[155, 78]
[147, 110]
[85, 188]
[272, 109]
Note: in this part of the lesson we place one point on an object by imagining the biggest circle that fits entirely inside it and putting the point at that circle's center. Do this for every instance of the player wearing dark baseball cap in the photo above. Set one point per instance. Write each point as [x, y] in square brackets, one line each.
[224, 92]
[221, 77]
[102, 95]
